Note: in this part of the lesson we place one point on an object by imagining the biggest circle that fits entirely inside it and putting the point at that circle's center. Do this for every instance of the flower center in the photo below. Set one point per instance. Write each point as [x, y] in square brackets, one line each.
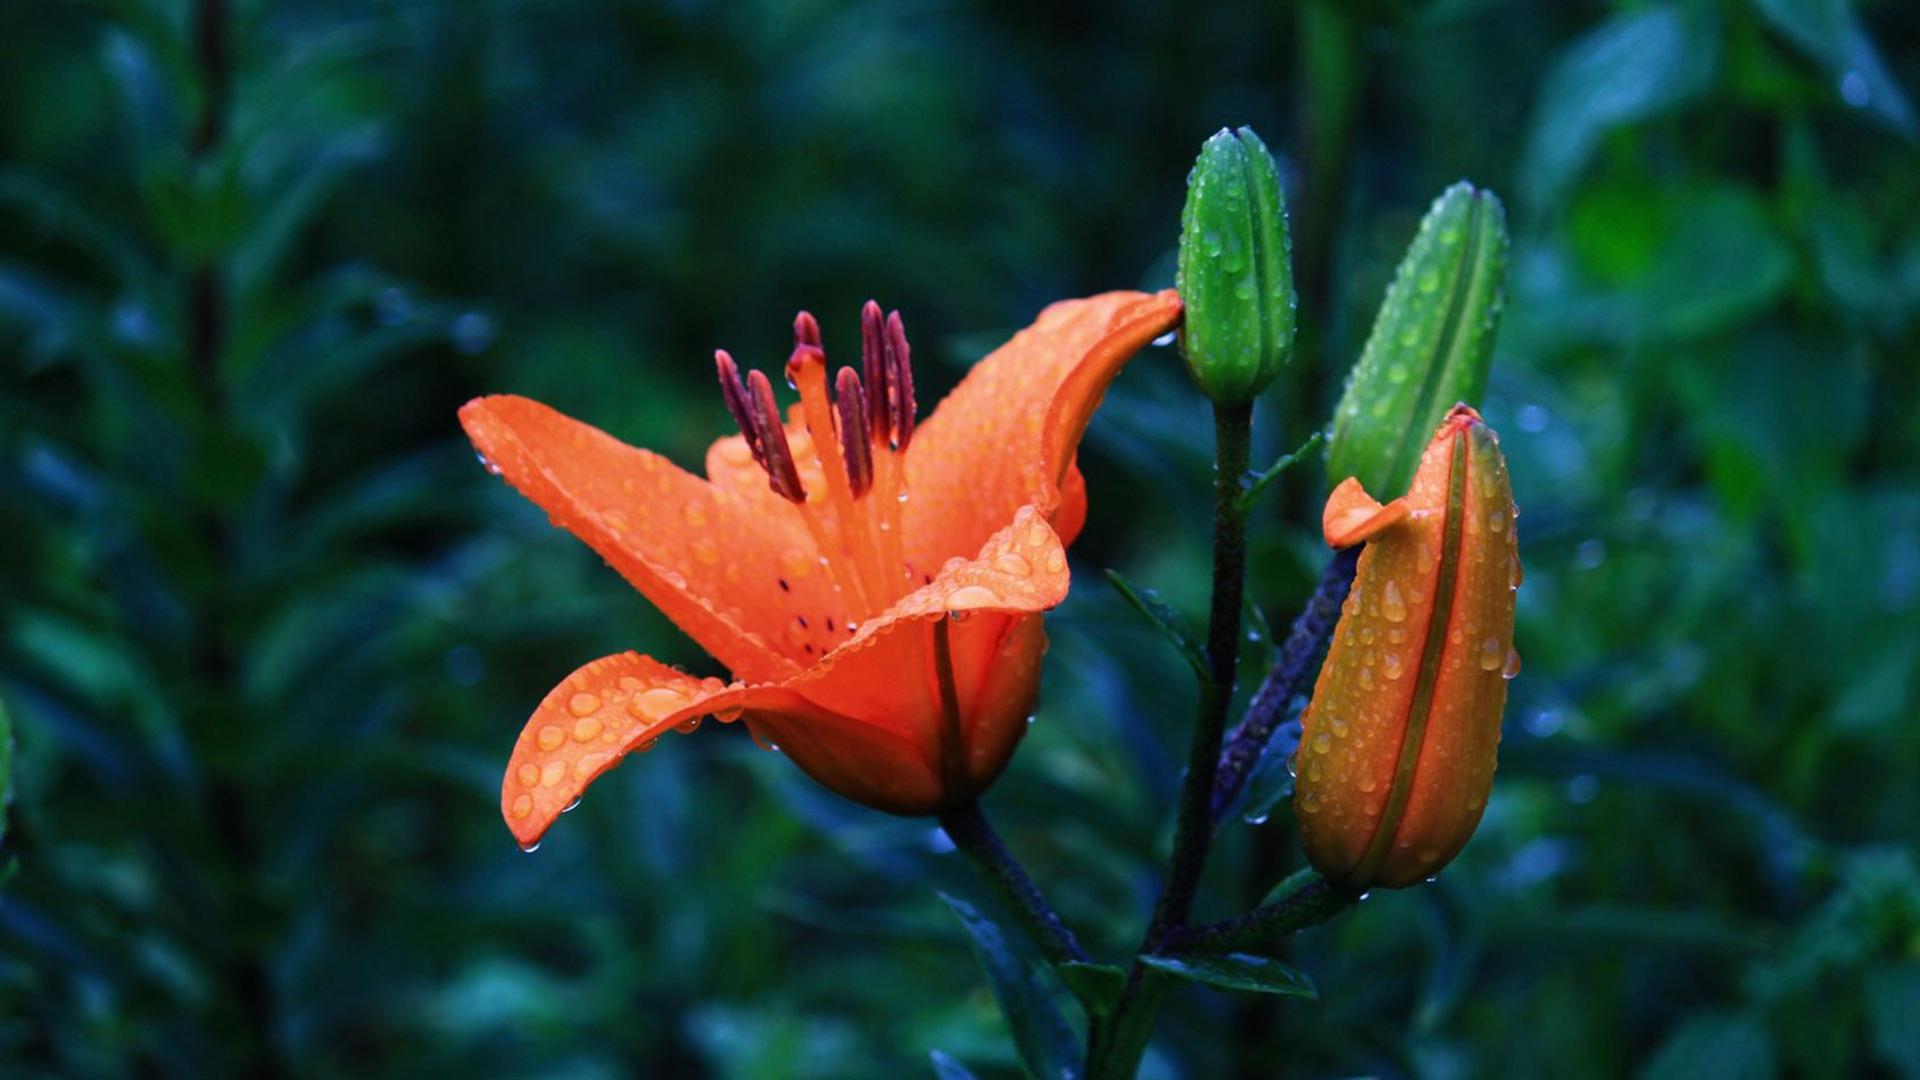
[858, 430]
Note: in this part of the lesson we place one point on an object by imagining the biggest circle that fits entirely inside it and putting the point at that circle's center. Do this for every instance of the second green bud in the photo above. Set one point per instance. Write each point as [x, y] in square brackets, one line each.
[1431, 344]
[1236, 277]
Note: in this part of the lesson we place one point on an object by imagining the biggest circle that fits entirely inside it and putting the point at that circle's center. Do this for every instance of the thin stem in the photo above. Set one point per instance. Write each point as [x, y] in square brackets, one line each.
[1193, 836]
[975, 839]
[1115, 1045]
[1299, 661]
[1315, 901]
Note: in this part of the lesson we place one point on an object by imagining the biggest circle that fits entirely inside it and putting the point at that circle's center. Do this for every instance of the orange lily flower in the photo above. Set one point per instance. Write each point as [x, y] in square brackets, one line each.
[1398, 744]
[873, 586]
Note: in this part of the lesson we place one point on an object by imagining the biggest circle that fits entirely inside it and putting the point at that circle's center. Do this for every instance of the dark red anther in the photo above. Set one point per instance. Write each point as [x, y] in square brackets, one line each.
[851, 401]
[782, 475]
[735, 395]
[806, 330]
[900, 403]
[873, 362]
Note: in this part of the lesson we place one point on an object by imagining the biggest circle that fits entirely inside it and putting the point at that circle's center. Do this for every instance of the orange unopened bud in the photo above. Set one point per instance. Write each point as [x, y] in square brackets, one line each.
[1397, 746]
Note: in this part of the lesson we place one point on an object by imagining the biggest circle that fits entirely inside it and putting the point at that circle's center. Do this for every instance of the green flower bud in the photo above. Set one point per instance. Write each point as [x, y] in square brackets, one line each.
[1431, 343]
[1235, 275]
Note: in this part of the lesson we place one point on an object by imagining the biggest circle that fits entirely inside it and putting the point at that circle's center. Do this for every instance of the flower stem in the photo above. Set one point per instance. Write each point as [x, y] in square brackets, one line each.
[1116, 1044]
[1312, 900]
[1299, 662]
[1193, 836]
[975, 839]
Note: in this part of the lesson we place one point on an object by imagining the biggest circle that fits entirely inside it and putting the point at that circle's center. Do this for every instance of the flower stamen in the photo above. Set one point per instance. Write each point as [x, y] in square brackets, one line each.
[850, 401]
[758, 418]
[858, 429]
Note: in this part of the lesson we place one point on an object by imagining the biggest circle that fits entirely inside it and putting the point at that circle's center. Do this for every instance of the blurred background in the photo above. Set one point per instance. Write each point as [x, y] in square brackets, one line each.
[267, 631]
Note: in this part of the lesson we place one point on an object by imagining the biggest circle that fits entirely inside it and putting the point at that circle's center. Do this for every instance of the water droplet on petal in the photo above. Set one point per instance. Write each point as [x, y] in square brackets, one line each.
[1392, 604]
[1512, 666]
[523, 806]
[530, 848]
[1390, 665]
[551, 737]
[583, 704]
[1013, 565]
[694, 513]
[1491, 655]
[656, 703]
[971, 596]
[586, 728]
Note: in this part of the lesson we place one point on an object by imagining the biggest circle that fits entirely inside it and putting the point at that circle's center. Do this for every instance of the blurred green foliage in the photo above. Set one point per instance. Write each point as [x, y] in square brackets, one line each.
[267, 632]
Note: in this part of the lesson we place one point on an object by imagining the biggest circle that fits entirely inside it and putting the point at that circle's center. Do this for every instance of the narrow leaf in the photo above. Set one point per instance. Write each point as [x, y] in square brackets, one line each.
[1047, 1045]
[1098, 986]
[1171, 624]
[1265, 480]
[1270, 782]
[1238, 971]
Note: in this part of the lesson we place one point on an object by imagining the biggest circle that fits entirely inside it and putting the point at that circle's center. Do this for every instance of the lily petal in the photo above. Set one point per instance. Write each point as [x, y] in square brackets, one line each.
[1019, 570]
[1352, 516]
[1006, 436]
[859, 721]
[702, 556]
[586, 725]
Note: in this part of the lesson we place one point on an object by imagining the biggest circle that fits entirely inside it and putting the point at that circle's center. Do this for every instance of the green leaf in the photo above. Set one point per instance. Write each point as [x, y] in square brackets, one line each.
[1271, 781]
[1830, 33]
[1632, 67]
[1715, 1044]
[1098, 986]
[1265, 480]
[1238, 971]
[1046, 1042]
[1291, 884]
[1169, 622]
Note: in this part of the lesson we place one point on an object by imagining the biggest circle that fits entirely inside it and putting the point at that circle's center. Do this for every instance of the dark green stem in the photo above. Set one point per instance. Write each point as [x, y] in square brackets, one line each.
[1193, 836]
[1313, 901]
[1116, 1044]
[975, 839]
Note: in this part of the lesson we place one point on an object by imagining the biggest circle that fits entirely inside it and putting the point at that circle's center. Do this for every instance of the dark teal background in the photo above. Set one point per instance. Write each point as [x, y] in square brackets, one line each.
[267, 631]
